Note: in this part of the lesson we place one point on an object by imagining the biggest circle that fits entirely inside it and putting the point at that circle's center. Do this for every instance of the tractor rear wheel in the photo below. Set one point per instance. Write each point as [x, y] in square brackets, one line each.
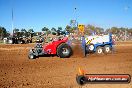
[64, 50]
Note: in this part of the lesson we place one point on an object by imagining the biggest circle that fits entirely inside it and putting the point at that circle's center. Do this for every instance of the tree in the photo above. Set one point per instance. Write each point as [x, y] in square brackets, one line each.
[3, 32]
[73, 23]
[63, 32]
[99, 30]
[23, 32]
[30, 31]
[45, 29]
[90, 29]
[53, 31]
[59, 31]
[114, 30]
[7, 34]
[130, 31]
[60, 28]
[15, 30]
[69, 29]
[107, 31]
[48, 32]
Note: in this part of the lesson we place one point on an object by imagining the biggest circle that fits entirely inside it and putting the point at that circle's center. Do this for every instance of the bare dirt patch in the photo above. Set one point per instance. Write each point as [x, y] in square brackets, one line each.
[17, 71]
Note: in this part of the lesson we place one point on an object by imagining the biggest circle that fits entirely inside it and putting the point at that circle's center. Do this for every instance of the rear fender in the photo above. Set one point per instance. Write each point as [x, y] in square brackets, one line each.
[63, 43]
[59, 45]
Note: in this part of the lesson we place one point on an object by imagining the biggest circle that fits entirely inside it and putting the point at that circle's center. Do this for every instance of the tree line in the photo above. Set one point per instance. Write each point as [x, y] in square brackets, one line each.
[89, 29]
[54, 31]
[23, 32]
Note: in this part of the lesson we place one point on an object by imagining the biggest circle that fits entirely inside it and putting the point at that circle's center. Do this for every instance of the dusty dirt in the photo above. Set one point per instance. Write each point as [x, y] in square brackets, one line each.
[17, 71]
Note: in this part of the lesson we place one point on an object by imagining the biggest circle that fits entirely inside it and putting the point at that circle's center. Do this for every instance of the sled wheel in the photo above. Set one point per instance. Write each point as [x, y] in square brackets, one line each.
[91, 47]
[99, 50]
[64, 50]
[107, 49]
[80, 80]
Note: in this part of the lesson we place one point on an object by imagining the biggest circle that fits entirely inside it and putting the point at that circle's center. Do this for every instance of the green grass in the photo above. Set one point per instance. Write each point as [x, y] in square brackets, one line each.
[1, 42]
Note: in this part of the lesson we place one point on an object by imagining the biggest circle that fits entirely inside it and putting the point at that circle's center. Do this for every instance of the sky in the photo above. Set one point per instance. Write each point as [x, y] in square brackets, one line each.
[37, 14]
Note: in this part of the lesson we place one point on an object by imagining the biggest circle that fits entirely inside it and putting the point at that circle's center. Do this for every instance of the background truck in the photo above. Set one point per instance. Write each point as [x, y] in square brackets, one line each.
[17, 40]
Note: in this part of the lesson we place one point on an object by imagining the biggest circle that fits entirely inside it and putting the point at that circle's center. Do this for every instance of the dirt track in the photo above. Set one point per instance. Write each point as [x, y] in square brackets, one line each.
[17, 71]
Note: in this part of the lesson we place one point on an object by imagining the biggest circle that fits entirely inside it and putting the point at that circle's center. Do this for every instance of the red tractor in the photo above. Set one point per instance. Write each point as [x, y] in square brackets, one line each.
[59, 47]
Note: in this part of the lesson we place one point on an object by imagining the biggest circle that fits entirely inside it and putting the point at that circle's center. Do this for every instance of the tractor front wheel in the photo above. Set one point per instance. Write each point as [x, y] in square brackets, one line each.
[31, 56]
[64, 50]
